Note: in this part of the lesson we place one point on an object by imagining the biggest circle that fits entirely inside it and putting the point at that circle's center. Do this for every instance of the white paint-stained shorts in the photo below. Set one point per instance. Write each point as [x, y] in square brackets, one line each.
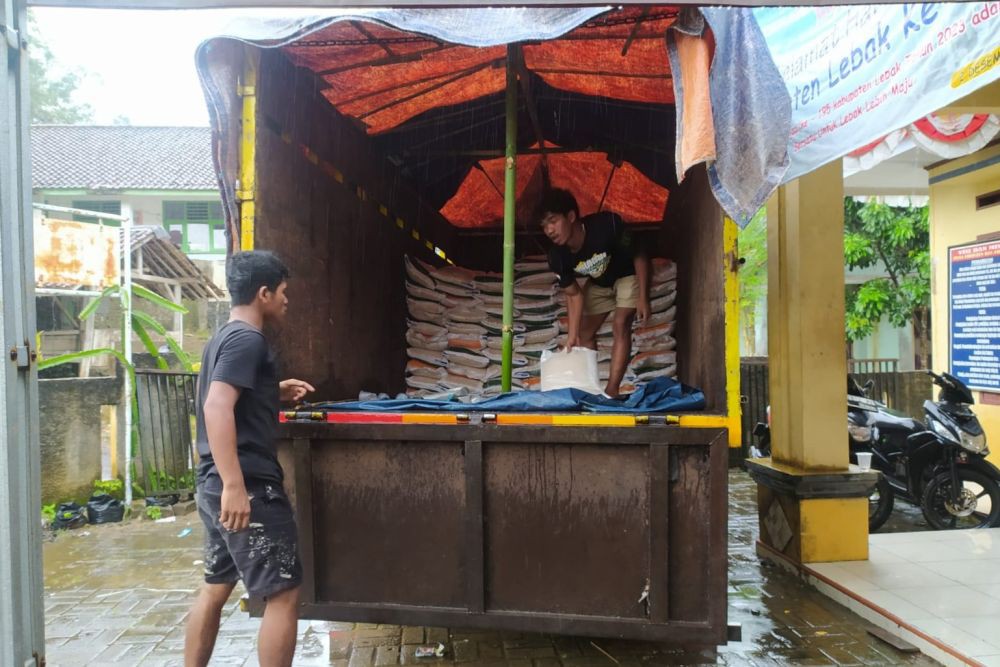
[266, 554]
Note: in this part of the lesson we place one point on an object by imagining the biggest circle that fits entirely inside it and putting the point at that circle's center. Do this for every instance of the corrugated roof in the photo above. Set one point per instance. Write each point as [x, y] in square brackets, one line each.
[122, 158]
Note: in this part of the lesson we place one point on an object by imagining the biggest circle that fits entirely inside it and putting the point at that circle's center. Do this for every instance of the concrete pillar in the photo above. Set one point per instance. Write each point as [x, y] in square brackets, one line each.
[813, 505]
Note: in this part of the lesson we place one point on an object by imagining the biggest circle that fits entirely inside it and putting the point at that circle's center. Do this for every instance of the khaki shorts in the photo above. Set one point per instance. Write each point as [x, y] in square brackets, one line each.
[599, 300]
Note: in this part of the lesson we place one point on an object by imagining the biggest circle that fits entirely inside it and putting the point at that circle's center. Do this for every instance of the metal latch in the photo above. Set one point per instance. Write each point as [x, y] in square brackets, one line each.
[23, 355]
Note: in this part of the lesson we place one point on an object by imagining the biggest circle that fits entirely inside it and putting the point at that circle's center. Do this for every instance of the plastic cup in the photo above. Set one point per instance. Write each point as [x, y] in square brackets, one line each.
[864, 460]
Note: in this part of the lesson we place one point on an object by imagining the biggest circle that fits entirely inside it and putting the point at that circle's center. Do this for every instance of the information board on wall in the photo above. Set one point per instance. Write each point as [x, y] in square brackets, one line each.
[974, 314]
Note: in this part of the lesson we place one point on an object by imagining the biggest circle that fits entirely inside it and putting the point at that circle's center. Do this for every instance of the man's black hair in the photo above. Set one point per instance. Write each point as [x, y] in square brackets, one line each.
[247, 272]
[556, 200]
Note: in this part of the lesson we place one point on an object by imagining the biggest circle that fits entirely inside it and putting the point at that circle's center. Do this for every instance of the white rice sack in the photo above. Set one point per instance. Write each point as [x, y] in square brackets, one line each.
[467, 315]
[528, 280]
[466, 358]
[665, 372]
[423, 383]
[480, 374]
[656, 319]
[652, 360]
[533, 292]
[652, 334]
[456, 290]
[493, 299]
[465, 342]
[490, 284]
[425, 370]
[663, 270]
[662, 303]
[466, 328]
[465, 302]
[541, 334]
[453, 381]
[425, 311]
[417, 272]
[660, 343]
[417, 339]
[426, 328]
[659, 289]
[575, 369]
[547, 305]
[535, 320]
[451, 277]
[432, 357]
[423, 293]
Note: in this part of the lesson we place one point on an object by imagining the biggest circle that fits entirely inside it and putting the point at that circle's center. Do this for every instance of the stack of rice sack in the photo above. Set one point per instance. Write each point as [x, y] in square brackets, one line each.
[454, 339]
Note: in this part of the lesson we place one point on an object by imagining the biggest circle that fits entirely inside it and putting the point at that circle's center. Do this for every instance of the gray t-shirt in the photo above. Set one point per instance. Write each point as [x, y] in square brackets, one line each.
[240, 355]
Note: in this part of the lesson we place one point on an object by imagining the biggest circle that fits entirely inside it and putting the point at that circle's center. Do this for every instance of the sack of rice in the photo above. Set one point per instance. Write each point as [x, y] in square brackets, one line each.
[418, 272]
[481, 374]
[466, 328]
[651, 334]
[423, 293]
[662, 303]
[466, 358]
[453, 381]
[659, 289]
[541, 334]
[467, 315]
[664, 317]
[432, 357]
[423, 383]
[425, 311]
[461, 341]
[494, 326]
[496, 356]
[426, 328]
[663, 270]
[450, 277]
[416, 339]
[423, 369]
[653, 360]
[462, 302]
[659, 343]
[665, 372]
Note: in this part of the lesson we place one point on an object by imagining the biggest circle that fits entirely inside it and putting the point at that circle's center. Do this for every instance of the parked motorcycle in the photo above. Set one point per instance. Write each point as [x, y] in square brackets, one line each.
[940, 466]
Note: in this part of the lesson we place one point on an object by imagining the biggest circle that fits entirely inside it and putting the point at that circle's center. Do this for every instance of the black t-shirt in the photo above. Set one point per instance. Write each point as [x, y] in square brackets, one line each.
[605, 256]
[240, 356]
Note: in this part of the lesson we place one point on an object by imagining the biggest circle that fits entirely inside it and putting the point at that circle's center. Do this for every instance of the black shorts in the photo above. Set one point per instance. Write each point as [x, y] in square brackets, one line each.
[266, 554]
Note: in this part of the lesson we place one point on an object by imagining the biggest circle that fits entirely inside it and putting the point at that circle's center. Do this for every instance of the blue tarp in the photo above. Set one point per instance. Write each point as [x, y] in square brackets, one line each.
[659, 396]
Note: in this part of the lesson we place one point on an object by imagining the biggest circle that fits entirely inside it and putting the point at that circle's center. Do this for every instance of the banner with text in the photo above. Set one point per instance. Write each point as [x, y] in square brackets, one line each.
[857, 73]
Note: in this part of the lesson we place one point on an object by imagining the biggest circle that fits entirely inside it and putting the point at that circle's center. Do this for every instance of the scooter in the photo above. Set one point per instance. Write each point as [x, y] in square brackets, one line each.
[940, 465]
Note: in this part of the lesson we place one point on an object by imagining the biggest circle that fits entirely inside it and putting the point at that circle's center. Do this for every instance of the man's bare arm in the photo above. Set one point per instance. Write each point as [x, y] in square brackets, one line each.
[220, 426]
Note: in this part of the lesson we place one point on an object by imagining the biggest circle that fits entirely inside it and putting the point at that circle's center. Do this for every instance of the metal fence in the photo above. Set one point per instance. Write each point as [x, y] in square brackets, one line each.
[901, 390]
[165, 464]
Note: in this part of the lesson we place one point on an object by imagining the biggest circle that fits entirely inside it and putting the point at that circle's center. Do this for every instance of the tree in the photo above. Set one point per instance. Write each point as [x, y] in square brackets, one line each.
[896, 240]
[52, 94]
[752, 242]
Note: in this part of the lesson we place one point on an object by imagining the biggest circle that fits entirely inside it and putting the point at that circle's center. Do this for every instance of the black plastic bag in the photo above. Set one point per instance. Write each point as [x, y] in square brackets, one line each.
[102, 508]
[69, 515]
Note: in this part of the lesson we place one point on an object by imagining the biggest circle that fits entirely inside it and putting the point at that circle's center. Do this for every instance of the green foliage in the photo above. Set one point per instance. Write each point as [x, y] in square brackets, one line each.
[112, 487]
[898, 240]
[51, 93]
[49, 513]
[153, 512]
[160, 480]
[752, 242]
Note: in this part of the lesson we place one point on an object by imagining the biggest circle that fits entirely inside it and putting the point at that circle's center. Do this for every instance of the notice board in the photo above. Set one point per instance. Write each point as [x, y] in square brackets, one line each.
[974, 314]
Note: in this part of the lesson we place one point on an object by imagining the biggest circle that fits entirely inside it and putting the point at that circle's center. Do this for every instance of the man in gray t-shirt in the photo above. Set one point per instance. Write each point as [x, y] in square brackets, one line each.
[250, 530]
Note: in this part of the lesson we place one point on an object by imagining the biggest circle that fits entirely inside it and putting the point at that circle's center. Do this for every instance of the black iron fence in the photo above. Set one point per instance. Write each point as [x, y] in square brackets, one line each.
[905, 391]
[165, 464]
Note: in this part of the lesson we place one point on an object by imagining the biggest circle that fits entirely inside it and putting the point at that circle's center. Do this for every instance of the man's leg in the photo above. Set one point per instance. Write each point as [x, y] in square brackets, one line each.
[589, 325]
[621, 351]
[203, 623]
[279, 629]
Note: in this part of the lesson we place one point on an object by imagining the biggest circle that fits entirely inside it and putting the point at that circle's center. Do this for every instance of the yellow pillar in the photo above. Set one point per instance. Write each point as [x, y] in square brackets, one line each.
[806, 345]
[813, 505]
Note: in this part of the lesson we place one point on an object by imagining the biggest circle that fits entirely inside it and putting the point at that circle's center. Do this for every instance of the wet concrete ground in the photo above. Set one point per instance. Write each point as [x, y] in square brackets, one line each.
[119, 595]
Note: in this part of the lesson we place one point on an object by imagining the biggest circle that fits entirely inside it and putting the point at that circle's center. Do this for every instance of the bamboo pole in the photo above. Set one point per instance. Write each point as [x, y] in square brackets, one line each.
[509, 200]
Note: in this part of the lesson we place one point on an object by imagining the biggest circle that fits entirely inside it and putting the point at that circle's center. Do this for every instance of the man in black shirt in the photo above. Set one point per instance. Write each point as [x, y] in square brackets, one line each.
[598, 249]
[249, 527]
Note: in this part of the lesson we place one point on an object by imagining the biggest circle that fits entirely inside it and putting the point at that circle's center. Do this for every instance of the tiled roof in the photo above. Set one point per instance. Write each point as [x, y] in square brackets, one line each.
[121, 158]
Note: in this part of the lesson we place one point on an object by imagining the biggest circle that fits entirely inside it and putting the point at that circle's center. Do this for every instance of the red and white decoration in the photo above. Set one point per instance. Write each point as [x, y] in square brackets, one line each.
[945, 135]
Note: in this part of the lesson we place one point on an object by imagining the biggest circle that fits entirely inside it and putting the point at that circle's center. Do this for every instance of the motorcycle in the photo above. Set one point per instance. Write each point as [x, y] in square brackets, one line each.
[939, 465]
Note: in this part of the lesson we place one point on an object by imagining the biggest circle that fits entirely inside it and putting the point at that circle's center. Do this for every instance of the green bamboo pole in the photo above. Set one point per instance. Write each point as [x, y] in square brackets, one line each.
[509, 199]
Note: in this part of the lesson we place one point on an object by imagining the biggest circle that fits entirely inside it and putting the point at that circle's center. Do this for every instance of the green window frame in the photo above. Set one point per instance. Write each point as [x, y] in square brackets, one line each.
[200, 223]
[112, 206]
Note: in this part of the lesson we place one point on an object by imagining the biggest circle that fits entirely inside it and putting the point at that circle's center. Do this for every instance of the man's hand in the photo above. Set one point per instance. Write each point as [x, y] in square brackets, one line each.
[642, 311]
[570, 344]
[292, 391]
[235, 514]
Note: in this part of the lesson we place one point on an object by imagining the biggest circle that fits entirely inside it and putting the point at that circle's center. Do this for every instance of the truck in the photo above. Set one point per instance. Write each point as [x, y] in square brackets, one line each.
[338, 142]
